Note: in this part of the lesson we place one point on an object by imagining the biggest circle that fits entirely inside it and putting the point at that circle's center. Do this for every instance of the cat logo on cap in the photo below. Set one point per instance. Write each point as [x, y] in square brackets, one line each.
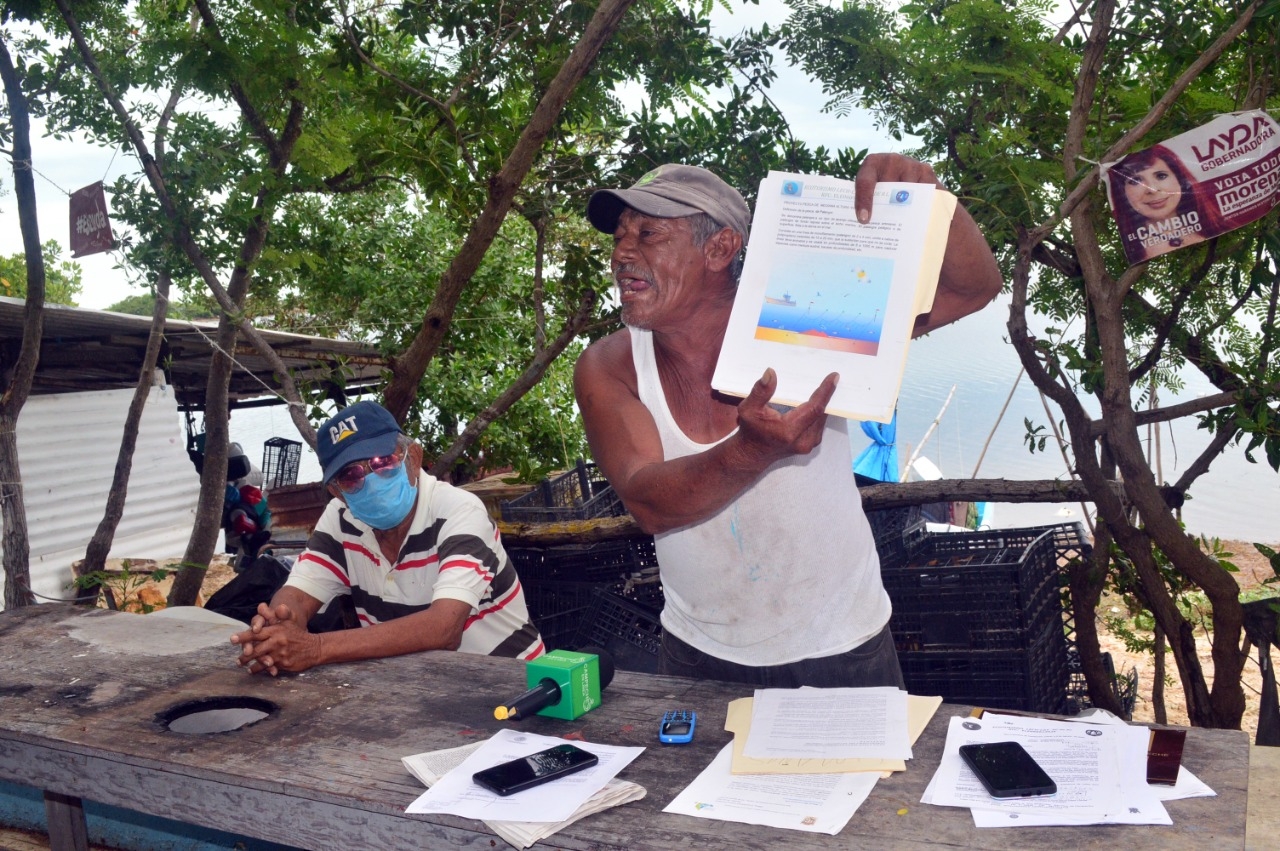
[342, 429]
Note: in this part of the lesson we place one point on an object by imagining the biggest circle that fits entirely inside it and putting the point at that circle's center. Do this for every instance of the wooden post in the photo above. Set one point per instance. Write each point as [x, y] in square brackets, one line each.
[67, 828]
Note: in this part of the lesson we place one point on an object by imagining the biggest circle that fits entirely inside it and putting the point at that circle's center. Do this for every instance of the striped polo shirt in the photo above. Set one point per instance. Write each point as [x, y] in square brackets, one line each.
[452, 552]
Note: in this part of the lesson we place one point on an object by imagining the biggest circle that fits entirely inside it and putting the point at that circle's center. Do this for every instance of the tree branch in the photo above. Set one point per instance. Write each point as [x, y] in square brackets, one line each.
[408, 369]
[251, 115]
[527, 381]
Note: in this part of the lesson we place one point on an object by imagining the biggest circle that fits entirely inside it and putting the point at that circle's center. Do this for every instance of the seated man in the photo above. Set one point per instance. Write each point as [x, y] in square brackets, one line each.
[421, 559]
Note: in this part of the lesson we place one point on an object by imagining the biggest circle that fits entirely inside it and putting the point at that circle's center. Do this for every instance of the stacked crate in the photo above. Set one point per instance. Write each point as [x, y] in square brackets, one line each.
[580, 494]
[561, 583]
[978, 618]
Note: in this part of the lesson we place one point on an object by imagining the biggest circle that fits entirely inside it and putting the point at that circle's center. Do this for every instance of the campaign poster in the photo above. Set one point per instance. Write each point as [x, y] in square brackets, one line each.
[90, 227]
[1195, 186]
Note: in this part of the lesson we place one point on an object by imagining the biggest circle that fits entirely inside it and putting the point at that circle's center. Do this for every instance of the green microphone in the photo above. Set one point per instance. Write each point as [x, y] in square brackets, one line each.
[563, 684]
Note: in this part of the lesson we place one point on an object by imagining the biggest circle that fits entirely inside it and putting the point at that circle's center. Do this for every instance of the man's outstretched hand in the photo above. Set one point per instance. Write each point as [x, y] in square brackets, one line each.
[771, 434]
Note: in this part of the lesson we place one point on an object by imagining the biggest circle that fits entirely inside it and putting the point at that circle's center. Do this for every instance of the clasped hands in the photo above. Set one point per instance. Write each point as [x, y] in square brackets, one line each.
[276, 642]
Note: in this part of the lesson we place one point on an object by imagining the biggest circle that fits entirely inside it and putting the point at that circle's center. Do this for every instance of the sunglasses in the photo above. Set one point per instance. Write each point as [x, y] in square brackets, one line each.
[351, 477]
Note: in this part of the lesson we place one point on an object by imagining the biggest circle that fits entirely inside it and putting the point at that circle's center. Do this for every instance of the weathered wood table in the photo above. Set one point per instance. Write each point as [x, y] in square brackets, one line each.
[79, 694]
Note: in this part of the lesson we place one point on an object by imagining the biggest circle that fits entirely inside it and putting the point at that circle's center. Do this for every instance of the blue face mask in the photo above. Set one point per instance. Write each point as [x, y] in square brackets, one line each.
[384, 501]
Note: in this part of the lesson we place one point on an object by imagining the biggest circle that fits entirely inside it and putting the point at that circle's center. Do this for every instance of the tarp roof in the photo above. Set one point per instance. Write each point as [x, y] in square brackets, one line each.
[97, 350]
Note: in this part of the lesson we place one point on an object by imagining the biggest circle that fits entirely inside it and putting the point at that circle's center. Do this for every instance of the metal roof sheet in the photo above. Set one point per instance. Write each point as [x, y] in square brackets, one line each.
[97, 350]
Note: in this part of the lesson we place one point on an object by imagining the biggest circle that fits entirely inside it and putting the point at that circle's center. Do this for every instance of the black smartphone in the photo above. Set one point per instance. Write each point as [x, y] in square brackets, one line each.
[510, 777]
[1007, 770]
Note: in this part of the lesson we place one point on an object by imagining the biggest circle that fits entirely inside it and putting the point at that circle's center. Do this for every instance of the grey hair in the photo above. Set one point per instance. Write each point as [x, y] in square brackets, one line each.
[702, 227]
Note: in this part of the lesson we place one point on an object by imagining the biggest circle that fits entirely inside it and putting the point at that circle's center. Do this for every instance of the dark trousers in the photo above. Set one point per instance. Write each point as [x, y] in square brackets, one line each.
[872, 663]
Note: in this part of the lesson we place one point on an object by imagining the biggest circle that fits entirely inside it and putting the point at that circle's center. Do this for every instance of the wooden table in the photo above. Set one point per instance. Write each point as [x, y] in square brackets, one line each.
[77, 719]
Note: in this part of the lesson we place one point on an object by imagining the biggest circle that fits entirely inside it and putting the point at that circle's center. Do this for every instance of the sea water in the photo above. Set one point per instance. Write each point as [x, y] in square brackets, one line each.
[1235, 499]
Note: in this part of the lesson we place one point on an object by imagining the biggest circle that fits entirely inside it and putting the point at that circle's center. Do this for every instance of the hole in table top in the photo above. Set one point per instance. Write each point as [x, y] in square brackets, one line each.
[215, 714]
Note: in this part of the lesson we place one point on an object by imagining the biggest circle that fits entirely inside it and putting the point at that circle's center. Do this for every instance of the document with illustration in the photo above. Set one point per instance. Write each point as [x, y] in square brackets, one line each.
[822, 293]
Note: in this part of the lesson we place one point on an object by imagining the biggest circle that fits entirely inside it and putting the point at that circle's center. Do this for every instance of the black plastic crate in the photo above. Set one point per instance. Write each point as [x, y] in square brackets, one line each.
[559, 632]
[1033, 679]
[546, 599]
[580, 494]
[897, 532]
[1068, 539]
[558, 607]
[280, 460]
[942, 620]
[629, 631]
[972, 572]
[605, 561]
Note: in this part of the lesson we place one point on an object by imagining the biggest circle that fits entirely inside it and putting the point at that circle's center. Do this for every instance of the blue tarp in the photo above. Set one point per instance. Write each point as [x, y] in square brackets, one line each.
[879, 461]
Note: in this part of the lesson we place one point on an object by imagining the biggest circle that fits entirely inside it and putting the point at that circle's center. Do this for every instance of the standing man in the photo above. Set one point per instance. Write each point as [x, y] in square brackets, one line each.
[769, 567]
[421, 560]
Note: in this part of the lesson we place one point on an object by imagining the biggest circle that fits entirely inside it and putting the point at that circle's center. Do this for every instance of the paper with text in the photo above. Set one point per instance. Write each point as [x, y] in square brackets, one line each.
[429, 767]
[822, 293]
[817, 803]
[738, 721]
[829, 723]
[1084, 760]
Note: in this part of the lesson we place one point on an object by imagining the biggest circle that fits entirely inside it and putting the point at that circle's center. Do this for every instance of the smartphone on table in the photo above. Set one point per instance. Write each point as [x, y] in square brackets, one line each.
[1007, 770]
[507, 778]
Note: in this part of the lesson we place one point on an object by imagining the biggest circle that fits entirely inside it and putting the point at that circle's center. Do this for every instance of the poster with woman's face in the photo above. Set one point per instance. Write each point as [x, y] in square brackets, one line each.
[1195, 186]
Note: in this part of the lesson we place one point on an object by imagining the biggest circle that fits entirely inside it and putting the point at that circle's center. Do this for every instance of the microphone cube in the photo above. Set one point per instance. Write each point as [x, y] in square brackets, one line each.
[577, 674]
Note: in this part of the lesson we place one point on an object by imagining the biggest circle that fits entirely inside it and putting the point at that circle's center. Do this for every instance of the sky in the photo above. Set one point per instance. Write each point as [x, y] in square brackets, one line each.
[63, 166]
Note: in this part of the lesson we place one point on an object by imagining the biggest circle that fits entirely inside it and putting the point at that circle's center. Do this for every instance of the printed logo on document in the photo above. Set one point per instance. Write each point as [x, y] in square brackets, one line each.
[794, 188]
[902, 196]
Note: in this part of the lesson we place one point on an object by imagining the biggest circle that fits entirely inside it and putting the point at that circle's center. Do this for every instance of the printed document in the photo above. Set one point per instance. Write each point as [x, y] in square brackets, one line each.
[1099, 771]
[829, 723]
[817, 803]
[738, 721]
[458, 794]
[822, 293]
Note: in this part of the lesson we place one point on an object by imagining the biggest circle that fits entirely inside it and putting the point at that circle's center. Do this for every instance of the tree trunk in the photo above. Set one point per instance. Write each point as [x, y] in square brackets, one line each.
[1085, 580]
[527, 381]
[13, 512]
[213, 480]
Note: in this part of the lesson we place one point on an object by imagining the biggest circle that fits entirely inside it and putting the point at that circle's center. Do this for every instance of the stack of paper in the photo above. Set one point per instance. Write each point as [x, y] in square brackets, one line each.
[532, 815]
[806, 759]
[1099, 769]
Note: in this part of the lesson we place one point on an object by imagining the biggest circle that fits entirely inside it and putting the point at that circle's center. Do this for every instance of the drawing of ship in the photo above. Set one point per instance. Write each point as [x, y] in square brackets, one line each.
[785, 301]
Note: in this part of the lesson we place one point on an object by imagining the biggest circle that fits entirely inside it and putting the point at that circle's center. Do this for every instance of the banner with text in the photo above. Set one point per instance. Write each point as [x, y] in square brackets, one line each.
[1195, 186]
[90, 228]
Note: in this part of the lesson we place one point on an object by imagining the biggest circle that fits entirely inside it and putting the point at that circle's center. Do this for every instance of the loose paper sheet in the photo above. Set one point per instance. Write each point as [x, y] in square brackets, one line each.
[429, 767]
[822, 293]
[817, 803]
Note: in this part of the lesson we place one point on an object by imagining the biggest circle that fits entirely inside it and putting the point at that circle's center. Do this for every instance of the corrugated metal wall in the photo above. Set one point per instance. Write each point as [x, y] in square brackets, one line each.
[67, 446]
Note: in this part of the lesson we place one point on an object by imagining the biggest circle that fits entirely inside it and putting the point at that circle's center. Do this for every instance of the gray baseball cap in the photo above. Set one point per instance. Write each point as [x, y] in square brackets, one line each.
[672, 191]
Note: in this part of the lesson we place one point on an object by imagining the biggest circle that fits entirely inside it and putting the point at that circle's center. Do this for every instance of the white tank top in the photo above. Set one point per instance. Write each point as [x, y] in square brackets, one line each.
[788, 570]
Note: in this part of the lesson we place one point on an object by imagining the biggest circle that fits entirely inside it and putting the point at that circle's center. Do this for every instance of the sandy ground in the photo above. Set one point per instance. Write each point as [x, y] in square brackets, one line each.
[1254, 568]
[139, 595]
